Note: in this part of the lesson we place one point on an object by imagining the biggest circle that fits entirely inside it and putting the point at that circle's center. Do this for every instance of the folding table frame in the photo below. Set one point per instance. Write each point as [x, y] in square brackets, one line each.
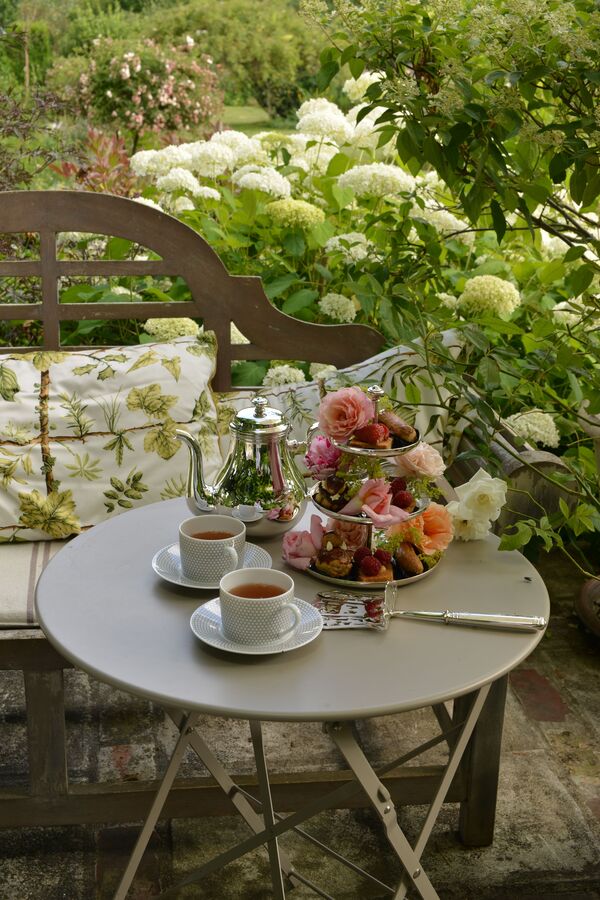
[268, 826]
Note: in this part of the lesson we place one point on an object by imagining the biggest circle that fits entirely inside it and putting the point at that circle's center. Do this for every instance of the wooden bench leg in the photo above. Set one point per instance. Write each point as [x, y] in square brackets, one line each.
[44, 692]
[480, 767]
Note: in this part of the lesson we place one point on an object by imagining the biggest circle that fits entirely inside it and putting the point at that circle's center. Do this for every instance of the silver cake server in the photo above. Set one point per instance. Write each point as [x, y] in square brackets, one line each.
[499, 621]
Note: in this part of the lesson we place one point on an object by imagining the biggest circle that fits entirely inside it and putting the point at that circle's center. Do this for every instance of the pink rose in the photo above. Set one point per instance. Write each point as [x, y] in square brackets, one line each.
[300, 547]
[422, 462]
[354, 535]
[343, 411]
[322, 457]
[374, 499]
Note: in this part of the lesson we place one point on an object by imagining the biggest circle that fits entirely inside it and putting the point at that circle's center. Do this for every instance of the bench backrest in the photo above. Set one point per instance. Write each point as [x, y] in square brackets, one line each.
[218, 298]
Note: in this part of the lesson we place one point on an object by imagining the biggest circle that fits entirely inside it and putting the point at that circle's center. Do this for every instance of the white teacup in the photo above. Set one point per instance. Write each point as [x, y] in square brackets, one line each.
[210, 546]
[262, 617]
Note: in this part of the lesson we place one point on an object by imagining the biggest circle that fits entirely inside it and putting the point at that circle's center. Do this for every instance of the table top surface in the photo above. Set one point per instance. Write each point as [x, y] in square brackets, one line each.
[101, 604]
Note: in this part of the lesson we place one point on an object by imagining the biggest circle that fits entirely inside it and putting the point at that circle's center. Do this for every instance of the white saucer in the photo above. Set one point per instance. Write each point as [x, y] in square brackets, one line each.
[206, 625]
[167, 564]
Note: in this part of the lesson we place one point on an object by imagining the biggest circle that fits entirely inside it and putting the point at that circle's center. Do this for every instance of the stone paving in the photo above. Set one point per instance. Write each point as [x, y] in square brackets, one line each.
[547, 842]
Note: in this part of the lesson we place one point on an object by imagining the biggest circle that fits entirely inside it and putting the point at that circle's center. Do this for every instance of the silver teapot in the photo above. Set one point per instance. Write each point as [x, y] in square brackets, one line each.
[259, 482]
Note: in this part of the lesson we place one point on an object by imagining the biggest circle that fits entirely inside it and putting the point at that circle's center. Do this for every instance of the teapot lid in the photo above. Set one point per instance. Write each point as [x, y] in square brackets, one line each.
[259, 419]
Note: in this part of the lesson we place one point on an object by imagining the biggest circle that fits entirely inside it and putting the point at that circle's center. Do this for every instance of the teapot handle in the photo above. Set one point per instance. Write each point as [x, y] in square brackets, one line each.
[297, 447]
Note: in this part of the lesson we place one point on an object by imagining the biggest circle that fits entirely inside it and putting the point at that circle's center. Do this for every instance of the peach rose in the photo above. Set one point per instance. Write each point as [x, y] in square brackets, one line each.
[422, 462]
[412, 531]
[438, 528]
[343, 411]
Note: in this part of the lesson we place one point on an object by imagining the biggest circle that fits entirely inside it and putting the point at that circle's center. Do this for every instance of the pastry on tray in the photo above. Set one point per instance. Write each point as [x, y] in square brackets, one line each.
[406, 558]
[332, 493]
[375, 436]
[334, 558]
[373, 565]
[398, 428]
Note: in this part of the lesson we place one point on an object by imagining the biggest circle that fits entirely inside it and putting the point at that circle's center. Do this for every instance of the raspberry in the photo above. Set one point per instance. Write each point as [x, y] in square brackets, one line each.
[398, 484]
[360, 554]
[383, 556]
[373, 433]
[403, 499]
[370, 566]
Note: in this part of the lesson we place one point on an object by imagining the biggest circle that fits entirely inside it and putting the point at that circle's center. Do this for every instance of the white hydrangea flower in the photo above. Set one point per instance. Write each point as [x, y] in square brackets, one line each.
[315, 158]
[483, 496]
[236, 336]
[295, 213]
[245, 149]
[179, 180]
[467, 527]
[317, 105]
[569, 312]
[284, 374]
[263, 178]
[146, 201]
[168, 329]
[355, 88]
[131, 295]
[326, 124]
[142, 162]
[536, 426]
[210, 159]
[321, 370]
[353, 246]
[184, 204]
[377, 180]
[208, 193]
[447, 300]
[337, 307]
[489, 295]
[366, 133]
[444, 222]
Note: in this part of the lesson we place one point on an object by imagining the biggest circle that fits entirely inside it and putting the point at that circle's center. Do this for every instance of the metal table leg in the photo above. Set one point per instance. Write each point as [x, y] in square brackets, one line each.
[343, 737]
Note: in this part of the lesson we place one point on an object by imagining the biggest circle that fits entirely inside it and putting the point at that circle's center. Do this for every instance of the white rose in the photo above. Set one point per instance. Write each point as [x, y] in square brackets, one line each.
[483, 496]
[467, 527]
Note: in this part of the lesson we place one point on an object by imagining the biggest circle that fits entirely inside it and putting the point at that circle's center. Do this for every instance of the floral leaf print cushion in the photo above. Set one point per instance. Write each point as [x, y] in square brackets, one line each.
[87, 435]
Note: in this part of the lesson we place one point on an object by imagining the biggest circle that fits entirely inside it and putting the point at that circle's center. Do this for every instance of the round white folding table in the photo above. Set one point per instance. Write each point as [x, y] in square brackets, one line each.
[100, 603]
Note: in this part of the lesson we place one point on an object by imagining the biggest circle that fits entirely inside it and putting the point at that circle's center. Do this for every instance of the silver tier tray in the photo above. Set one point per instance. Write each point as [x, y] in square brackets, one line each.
[379, 454]
[369, 585]
[422, 504]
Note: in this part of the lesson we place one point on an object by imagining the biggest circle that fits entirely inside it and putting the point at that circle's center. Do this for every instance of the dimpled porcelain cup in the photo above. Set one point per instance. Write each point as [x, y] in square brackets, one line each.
[256, 606]
[210, 546]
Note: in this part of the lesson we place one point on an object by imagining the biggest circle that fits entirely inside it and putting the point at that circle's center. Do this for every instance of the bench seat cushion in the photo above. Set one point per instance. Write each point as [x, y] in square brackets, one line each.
[20, 567]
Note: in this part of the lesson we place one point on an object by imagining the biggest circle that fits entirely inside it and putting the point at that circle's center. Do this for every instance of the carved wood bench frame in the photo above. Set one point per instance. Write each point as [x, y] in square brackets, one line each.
[218, 299]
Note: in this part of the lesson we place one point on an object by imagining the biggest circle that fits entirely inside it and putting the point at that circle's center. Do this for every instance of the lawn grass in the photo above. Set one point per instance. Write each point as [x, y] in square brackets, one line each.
[252, 119]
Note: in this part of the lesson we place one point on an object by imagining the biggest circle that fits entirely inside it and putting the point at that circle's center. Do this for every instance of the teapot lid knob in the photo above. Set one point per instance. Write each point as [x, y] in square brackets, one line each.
[260, 404]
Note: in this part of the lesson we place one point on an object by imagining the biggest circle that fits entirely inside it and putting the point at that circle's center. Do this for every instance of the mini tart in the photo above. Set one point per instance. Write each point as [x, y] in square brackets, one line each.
[380, 445]
[386, 573]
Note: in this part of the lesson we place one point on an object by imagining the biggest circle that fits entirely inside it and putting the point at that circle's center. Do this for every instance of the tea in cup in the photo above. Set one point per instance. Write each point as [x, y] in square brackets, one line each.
[210, 546]
[256, 606]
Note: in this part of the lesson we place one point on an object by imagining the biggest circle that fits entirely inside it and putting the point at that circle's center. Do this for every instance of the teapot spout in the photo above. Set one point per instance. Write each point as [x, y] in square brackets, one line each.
[197, 487]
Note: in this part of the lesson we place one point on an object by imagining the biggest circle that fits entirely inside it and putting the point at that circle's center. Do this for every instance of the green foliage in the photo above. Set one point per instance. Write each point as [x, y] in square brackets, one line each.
[142, 86]
[268, 53]
[27, 43]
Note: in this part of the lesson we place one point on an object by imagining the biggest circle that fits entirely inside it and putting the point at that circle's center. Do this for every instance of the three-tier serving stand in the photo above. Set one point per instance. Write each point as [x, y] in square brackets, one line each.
[375, 393]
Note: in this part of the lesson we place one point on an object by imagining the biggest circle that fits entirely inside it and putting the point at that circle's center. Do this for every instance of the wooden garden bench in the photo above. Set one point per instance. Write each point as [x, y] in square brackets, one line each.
[218, 299]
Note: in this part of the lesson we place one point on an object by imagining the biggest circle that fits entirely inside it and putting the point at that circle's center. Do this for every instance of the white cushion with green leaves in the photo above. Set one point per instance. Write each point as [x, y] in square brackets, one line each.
[87, 435]
[394, 369]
